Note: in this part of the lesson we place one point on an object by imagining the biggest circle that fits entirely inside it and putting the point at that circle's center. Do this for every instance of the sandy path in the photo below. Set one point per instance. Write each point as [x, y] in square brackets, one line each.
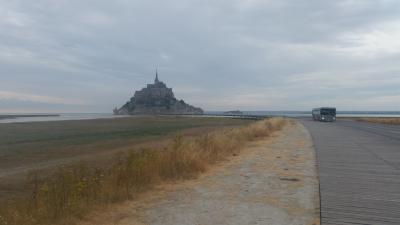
[273, 181]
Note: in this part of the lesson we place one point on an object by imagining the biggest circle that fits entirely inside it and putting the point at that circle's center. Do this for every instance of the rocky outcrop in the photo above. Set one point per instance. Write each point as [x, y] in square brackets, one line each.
[156, 98]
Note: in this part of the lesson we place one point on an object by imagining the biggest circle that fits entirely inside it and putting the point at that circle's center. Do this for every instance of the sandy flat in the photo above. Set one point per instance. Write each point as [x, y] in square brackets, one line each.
[273, 181]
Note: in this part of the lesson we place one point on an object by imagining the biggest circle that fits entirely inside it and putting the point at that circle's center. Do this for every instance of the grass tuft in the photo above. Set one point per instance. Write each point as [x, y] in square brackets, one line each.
[71, 192]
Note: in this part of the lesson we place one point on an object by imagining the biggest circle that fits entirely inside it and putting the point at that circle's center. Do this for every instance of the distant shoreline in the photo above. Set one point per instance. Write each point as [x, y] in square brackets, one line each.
[33, 117]
[14, 116]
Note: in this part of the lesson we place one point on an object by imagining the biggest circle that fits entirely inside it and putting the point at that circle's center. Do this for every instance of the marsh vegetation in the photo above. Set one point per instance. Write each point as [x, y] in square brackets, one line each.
[72, 191]
[383, 120]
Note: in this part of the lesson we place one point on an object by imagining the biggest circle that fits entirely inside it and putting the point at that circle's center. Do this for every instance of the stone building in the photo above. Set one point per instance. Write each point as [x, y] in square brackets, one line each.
[156, 98]
[157, 90]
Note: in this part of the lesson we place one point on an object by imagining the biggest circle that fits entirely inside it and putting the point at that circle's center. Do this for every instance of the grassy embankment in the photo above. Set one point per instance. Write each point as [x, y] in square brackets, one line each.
[382, 120]
[47, 145]
[24, 143]
[71, 192]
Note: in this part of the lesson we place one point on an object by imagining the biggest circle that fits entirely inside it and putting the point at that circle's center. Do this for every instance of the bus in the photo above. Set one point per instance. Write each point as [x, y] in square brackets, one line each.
[325, 114]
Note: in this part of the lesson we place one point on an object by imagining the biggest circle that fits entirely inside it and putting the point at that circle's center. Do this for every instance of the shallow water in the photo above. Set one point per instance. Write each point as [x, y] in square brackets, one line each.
[88, 116]
[308, 113]
[61, 117]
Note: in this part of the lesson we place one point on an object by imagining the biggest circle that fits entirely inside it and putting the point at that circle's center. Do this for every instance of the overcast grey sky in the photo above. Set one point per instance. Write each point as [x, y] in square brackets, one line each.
[90, 55]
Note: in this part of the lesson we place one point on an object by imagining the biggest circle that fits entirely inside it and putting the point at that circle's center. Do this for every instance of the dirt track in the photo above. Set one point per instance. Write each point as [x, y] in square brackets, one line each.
[273, 181]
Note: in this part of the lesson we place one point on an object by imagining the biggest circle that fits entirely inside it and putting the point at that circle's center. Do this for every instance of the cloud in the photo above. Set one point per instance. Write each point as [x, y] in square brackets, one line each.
[381, 40]
[245, 54]
[8, 95]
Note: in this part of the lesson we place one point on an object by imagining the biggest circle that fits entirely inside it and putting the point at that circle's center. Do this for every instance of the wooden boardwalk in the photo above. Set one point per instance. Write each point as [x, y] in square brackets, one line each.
[359, 168]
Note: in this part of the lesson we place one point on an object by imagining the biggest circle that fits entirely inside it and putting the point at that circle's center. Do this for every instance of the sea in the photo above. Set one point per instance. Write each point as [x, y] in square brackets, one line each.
[37, 117]
[23, 118]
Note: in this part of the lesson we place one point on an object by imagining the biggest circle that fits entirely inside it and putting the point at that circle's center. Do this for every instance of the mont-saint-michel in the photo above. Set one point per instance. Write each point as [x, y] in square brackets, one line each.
[156, 99]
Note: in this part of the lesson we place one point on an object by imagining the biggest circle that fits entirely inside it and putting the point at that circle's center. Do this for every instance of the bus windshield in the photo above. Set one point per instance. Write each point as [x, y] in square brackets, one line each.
[331, 112]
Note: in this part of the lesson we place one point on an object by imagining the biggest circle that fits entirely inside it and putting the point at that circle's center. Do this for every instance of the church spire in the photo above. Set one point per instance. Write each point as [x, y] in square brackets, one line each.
[156, 80]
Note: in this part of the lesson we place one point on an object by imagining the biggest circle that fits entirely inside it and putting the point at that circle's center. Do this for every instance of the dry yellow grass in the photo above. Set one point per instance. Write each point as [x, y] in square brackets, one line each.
[391, 120]
[71, 192]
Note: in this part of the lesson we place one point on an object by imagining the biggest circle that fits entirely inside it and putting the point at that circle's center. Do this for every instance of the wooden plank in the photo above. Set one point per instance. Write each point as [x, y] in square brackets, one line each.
[359, 172]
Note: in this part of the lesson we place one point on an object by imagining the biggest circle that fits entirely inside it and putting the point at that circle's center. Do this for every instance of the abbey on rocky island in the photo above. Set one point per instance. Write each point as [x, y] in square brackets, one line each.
[156, 98]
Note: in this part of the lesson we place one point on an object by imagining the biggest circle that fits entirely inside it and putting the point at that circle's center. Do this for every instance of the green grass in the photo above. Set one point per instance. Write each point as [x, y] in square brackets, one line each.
[86, 131]
[72, 192]
[46, 145]
[25, 142]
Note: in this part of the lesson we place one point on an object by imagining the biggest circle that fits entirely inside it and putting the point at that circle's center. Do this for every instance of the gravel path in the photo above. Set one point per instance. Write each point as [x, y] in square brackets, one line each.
[273, 181]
